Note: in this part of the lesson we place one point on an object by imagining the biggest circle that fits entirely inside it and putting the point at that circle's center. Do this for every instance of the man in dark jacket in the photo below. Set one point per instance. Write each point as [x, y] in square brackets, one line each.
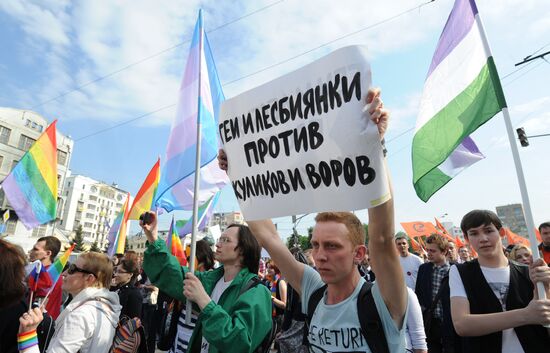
[428, 285]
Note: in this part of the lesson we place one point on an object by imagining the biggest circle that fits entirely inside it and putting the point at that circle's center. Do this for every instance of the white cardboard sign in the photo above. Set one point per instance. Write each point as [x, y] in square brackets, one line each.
[301, 143]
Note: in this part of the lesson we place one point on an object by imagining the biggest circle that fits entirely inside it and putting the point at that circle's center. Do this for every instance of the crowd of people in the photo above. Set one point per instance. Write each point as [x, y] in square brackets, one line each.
[342, 295]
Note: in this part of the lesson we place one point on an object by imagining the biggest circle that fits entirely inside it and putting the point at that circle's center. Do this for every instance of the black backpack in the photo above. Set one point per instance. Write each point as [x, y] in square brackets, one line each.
[265, 345]
[371, 324]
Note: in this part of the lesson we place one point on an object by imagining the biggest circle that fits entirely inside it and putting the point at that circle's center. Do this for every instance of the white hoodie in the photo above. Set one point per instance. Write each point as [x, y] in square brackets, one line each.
[87, 324]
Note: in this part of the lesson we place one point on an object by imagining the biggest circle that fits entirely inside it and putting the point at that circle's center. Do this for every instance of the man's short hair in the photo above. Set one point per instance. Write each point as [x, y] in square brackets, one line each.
[544, 225]
[401, 235]
[52, 244]
[478, 218]
[356, 231]
[438, 240]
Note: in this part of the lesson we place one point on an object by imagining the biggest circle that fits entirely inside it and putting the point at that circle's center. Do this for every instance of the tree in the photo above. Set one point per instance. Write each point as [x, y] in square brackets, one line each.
[95, 247]
[303, 242]
[366, 226]
[78, 240]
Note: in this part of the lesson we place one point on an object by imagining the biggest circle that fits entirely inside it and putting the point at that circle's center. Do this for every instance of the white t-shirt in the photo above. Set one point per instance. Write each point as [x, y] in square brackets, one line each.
[410, 265]
[220, 287]
[336, 328]
[499, 281]
[415, 335]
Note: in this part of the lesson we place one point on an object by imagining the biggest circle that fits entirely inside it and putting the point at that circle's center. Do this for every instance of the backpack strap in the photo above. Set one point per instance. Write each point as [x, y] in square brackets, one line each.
[253, 282]
[314, 300]
[371, 324]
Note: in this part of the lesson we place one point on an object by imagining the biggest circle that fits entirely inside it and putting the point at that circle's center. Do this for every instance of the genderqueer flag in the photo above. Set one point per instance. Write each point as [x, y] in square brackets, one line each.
[462, 92]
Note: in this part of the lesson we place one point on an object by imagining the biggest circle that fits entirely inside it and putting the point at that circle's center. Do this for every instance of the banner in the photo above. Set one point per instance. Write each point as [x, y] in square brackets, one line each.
[301, 143]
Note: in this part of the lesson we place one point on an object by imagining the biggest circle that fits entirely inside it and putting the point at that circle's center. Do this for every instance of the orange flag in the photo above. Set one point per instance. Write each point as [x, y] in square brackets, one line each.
[537, 234]
[458, 242]
[443, 231]
[418, 229]
[513, 238]
[415, 245]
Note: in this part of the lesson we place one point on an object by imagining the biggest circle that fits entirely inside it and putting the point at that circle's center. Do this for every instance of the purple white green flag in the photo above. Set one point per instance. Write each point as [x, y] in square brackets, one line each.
[462, 92]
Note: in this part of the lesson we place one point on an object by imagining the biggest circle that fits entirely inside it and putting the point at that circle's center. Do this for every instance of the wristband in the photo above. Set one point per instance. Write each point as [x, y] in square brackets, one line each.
[27, 340]
[384, 150]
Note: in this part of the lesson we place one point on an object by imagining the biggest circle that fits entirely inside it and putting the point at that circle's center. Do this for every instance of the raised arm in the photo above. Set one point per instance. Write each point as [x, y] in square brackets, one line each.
[267, 236]
[383, 254]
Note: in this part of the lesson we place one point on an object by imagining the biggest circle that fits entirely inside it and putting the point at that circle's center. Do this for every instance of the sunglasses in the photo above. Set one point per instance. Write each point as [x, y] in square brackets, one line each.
[74, 268]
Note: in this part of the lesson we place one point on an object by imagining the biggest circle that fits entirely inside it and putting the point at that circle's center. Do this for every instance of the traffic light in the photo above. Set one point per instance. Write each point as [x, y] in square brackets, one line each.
[522, 137]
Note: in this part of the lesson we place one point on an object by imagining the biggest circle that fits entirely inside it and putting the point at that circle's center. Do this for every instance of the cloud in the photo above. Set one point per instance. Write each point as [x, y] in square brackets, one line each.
[40, 20]
[100, 39]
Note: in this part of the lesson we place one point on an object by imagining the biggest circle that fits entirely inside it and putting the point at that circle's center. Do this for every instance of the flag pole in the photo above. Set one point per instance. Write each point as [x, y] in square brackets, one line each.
[188, 304]
[519, 169]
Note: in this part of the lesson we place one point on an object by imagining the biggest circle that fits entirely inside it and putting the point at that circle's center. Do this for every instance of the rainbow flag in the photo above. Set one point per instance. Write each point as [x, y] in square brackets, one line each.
[173, 243]
[31, 187]
[117, 232]
[200, 97]
[57, 267]
[146, 194]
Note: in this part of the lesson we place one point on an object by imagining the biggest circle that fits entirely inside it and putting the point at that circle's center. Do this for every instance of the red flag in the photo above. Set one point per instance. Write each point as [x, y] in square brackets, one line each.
[458, 242]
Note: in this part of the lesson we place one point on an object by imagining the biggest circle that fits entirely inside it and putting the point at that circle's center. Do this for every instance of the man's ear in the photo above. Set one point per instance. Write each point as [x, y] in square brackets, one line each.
[360, 251]
[49, 255]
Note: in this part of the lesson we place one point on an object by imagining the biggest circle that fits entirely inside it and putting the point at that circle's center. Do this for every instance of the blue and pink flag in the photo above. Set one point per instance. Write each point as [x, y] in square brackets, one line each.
[205, 213]
[200, 96]
[462, 92]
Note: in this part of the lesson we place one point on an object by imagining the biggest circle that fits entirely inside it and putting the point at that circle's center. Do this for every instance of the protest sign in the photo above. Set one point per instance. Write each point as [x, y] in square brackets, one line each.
[301, 143]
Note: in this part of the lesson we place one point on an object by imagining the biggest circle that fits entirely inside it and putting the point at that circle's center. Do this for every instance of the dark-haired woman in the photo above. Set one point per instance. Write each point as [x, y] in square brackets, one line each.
[229, 320]
[124, 280]
[12, 303]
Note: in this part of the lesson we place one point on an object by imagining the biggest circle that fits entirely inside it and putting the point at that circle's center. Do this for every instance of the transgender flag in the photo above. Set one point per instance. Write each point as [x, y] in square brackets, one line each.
[462, 92]
[200, 96]
[205, 213]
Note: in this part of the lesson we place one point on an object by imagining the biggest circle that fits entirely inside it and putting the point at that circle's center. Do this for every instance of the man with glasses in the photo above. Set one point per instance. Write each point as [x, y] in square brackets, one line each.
[229, 320]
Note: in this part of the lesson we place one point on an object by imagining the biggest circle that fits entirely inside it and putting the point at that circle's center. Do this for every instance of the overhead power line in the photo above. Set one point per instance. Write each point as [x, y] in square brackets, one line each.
[152, 56]
[251, 74]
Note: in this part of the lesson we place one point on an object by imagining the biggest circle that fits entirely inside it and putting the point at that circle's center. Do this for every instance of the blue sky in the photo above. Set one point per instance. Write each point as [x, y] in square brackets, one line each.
[51, 47]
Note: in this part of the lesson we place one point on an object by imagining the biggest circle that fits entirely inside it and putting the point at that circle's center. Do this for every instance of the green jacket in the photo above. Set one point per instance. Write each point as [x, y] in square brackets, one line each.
[235, 324]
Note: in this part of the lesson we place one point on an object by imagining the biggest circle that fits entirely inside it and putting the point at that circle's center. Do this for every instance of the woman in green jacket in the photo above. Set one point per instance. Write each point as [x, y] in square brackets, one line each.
[228, 322]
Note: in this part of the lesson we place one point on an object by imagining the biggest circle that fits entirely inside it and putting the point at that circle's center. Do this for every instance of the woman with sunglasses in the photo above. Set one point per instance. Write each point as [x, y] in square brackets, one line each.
[124, 279]
[88, 323]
